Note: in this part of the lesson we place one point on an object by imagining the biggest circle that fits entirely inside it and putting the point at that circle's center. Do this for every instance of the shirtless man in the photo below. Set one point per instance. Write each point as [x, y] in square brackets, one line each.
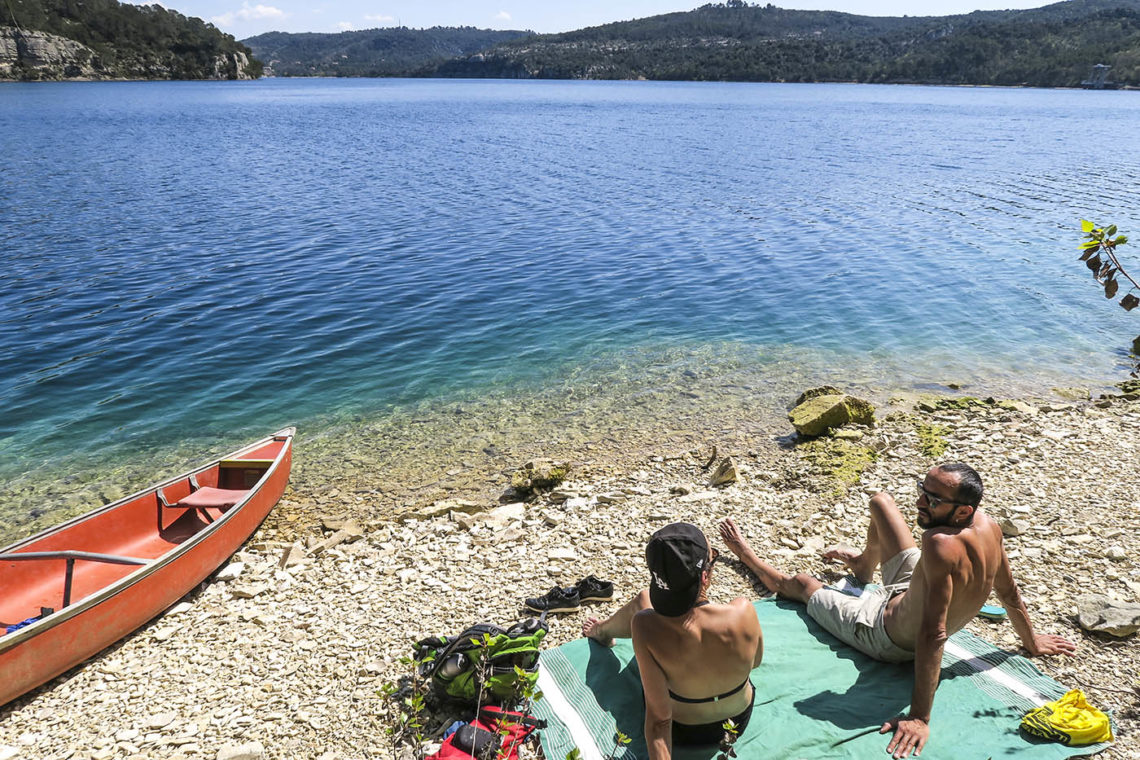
[927, 595]
[694, 656]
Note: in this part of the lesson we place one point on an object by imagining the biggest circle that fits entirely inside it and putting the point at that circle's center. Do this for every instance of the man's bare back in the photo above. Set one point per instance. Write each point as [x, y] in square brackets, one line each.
[973, 555]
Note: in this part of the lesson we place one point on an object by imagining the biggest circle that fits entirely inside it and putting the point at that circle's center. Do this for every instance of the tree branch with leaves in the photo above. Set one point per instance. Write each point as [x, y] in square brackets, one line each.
[1099, 254]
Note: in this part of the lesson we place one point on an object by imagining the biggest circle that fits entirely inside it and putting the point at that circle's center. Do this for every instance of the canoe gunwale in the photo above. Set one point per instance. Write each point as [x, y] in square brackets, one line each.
[64, 614]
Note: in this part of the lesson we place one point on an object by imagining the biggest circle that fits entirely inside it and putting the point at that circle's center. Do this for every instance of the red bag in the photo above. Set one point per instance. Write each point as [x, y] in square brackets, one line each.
[496, 734]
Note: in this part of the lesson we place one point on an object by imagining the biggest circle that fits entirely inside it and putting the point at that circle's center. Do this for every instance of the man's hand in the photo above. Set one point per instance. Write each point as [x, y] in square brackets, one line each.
[733, 538]
[1047, 643]
[910, 734]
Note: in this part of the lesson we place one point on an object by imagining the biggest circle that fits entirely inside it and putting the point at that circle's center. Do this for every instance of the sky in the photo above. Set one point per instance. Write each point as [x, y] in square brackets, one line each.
[245, 18]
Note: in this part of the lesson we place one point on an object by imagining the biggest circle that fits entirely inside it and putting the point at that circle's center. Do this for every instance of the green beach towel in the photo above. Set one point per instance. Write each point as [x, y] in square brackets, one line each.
[815, 698]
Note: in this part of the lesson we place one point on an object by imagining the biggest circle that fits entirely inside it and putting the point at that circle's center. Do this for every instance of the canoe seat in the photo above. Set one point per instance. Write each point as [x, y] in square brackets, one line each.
[207, 497]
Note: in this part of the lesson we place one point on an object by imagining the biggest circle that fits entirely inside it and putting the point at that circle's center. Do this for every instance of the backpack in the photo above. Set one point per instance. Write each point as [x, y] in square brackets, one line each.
[453, 663]
[495, 734]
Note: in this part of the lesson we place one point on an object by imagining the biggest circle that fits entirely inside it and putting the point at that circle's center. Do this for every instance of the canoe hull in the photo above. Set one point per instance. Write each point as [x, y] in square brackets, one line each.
[73, 634]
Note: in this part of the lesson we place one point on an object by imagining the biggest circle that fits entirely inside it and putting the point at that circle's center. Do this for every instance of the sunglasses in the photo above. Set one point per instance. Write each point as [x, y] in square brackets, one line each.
[935, 501]
[714, 558]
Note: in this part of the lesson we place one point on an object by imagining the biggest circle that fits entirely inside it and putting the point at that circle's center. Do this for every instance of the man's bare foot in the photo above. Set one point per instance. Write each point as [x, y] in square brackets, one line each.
[733, 538]
[853, 558]
[592, 629]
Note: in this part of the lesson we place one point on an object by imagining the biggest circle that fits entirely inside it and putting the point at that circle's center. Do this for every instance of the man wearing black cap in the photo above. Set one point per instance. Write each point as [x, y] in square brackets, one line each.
[927, 595]
[694, 656]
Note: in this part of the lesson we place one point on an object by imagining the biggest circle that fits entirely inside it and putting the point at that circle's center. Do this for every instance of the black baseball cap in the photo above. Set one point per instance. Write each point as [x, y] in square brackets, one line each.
[676, 556]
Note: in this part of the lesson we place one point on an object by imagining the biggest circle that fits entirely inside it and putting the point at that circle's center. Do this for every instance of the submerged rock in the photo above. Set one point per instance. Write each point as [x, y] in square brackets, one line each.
[1073, 394]
[819, 414]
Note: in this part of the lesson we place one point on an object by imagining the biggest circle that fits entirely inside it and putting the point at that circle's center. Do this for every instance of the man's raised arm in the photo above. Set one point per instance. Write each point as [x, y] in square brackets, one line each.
[1007, 592]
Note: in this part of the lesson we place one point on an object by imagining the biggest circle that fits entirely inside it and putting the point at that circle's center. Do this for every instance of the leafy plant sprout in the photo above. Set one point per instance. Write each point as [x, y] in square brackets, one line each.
[1099, 254]
[620, 740]
[731, 734]
[406, 705]
[1107, 270]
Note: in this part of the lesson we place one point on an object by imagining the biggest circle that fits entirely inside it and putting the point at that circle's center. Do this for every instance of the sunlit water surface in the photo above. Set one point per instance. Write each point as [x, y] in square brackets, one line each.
[186, 265]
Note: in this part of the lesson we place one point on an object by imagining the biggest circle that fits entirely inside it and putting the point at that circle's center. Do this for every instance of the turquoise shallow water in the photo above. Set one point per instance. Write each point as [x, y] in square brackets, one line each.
[210, 261]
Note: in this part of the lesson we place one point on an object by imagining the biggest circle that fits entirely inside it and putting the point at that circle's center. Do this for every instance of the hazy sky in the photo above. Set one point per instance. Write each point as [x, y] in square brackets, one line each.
[245, 18]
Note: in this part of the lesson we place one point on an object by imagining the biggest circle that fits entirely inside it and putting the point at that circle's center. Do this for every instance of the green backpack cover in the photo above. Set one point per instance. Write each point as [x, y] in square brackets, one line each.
[483, 657]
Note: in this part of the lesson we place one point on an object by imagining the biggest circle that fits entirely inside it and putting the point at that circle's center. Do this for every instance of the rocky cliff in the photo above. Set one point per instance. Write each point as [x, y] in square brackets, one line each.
[39, 55]
[36, 56]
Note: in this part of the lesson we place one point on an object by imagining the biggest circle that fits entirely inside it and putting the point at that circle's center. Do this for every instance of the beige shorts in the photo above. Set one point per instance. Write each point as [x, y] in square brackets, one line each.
[858, 620]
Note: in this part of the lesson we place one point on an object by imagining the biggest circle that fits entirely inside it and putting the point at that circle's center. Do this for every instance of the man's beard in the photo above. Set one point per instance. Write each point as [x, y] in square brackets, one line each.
[926, 520]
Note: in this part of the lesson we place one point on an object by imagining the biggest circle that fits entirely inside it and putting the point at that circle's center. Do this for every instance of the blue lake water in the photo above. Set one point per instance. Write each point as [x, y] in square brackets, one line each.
[215, 260]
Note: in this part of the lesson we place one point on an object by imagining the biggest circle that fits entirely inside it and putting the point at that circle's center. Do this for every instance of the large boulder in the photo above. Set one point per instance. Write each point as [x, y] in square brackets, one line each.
[823, 390]
[817, 415]
[1103, 615]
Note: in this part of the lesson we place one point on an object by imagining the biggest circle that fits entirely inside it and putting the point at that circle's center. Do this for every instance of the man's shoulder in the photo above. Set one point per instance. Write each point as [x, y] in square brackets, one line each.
[942, 545]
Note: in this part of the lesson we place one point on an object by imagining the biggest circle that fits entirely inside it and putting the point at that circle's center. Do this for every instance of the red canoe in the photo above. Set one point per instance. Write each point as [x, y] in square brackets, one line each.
[96, 578]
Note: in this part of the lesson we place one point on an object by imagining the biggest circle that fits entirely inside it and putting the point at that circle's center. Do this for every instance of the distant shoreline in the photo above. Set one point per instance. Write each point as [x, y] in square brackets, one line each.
[95, 80]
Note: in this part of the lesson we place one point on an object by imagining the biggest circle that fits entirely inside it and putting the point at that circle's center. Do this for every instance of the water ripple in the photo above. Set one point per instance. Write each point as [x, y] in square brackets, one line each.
[213, 257]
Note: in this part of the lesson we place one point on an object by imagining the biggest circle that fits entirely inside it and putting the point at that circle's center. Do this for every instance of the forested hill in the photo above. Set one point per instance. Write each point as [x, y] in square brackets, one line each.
[372, 52]
[1052, 46]
[105, 39]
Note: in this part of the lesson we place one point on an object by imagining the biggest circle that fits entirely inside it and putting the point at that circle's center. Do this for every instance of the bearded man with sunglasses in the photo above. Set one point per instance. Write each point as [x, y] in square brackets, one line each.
[927, 595]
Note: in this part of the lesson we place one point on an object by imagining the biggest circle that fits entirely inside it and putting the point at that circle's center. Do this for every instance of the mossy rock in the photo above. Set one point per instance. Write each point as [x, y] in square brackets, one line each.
[823, 390]
[541, 474]
[932, 439]
[1129, 386]
[840, 460]
[949, 403]
[819, 414]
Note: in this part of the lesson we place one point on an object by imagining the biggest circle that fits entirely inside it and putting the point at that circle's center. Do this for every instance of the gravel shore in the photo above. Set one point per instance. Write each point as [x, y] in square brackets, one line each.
[283, 654]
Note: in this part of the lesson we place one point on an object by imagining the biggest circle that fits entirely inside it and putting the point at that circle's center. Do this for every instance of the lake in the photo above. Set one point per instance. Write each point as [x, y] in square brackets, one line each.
[186, 265]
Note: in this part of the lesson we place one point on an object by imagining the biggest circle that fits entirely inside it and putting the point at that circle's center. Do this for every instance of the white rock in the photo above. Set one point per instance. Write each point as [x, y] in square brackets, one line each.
[562, 553]
[249, 591]
[248, 751]
[7, 753]
[1099, 613]
[1116, 553]
[507, 513]
[230, 572]
[1013, 527]
[163, 634]
[180, 608]
[293, 555]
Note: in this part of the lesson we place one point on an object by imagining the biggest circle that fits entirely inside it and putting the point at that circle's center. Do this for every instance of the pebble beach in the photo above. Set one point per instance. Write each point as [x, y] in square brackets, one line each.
[284, 653]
